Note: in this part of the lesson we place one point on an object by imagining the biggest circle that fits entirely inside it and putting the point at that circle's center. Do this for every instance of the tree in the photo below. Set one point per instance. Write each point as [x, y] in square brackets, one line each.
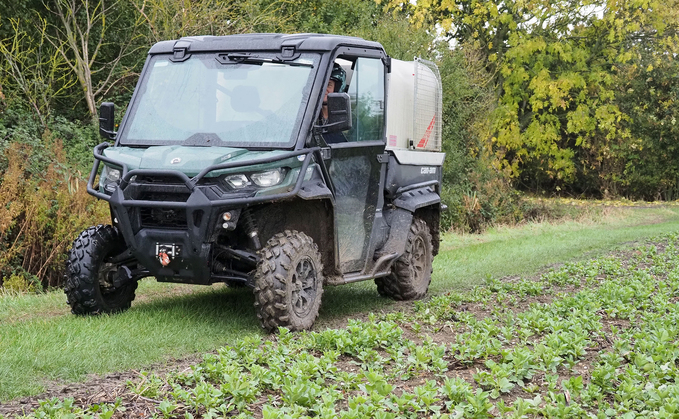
[647, 90]
[558, 123]
[173, 19]
[84, 28]
[34, 69]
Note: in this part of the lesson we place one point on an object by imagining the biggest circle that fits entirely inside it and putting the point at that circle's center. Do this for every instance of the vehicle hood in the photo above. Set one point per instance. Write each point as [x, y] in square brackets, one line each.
[189, 160]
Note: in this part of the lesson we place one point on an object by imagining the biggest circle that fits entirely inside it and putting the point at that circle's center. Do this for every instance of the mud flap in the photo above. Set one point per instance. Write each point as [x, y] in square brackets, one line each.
[399, 220]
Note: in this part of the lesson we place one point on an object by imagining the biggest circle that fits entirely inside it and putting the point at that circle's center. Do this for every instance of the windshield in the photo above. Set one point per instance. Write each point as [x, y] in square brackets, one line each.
[220, 99]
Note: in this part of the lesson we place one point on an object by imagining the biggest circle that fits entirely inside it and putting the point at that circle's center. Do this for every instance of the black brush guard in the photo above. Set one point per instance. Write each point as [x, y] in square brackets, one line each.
[192, 264]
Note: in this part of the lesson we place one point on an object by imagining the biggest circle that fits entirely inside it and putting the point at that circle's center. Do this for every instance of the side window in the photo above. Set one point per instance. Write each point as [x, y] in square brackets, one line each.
[366, 89]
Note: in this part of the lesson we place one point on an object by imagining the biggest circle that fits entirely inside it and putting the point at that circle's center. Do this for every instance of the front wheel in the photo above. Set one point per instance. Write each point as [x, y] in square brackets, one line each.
[411, 273]
[288, 282]
[93, 284]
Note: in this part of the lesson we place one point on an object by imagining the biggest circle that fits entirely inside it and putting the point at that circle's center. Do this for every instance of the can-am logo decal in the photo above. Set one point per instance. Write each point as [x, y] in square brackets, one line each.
[427, 170]
[176, 160]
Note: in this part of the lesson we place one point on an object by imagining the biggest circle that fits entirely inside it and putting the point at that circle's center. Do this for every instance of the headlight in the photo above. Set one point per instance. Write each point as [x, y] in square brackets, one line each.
[261, 179]
[110, 178]
[268, 178]
[111, 175]
[237, 181]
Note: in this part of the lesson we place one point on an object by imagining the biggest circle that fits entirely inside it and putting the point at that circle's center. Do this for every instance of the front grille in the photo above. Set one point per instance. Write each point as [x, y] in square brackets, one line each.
[170, 180]
[164, 189]
[163, 180]
[163, 217]
[165, 196]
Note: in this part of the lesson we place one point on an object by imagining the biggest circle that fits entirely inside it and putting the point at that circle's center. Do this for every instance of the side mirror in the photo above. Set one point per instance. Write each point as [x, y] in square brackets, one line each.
[339, 112]
[107, 120]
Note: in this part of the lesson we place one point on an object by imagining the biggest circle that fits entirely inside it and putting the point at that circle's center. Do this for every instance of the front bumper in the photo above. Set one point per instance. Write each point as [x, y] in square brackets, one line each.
[201, 214]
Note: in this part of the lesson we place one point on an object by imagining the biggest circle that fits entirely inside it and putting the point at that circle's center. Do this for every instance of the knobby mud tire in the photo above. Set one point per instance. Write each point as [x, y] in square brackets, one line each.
[411, 273]
[86, 290]
[288, 282]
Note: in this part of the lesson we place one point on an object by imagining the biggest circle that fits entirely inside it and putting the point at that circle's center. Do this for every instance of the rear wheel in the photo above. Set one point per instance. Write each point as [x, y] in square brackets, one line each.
[411, 273]
[93, 281]
[288, 282]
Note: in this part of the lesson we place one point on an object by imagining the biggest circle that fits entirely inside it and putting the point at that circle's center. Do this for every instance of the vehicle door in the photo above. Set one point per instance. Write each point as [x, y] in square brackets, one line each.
[354, 167]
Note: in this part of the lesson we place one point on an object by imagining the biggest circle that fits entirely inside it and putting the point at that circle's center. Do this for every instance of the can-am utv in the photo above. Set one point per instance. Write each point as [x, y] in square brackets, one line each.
[227, 168]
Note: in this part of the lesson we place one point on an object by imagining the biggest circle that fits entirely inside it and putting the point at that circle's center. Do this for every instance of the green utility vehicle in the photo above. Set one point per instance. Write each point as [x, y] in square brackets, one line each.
[283, 163]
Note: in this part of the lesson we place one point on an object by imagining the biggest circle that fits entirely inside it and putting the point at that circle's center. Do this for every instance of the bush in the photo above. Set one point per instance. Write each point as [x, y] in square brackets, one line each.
[20, 283]
[43, 205]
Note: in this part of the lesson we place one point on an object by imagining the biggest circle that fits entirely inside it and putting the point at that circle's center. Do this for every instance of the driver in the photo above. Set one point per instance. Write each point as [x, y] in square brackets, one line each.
[335, 84]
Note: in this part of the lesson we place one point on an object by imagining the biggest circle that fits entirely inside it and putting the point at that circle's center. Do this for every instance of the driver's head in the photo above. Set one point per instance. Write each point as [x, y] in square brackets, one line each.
[336, 82]
[339, 76]
[329, 89]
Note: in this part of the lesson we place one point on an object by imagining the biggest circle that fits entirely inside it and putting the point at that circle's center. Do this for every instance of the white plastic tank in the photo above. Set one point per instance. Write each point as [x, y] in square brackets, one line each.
[414, 104]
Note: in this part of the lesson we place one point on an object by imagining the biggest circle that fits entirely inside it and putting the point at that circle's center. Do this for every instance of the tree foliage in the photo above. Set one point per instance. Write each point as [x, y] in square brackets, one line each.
[560, 122]
[648, 92]
[172, 19]
[82, 30]
[37, 73]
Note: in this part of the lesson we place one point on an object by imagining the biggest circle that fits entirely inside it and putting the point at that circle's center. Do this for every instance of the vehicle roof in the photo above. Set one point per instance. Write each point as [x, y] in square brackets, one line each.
[263, 41]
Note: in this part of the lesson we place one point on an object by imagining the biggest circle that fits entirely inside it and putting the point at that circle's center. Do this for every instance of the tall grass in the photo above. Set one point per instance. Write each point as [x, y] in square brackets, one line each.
[43, 203]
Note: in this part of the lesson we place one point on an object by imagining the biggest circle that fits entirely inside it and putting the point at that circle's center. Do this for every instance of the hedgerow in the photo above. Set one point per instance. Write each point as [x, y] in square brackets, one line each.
[43, 202]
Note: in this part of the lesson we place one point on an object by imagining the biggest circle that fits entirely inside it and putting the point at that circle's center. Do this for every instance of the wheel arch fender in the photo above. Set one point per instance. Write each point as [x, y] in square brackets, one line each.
[314, 217]
[417, 198]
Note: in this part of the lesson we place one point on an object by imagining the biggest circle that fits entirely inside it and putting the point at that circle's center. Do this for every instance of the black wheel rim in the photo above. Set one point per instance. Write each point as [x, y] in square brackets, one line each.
[106, 275]
[419, 259]
[303, 287]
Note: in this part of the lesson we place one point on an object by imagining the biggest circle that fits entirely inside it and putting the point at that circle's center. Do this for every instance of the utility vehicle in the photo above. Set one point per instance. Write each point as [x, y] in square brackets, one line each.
[226, 168]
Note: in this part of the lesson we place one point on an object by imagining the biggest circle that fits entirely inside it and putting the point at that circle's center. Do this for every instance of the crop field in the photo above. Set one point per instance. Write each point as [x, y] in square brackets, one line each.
[595, 338]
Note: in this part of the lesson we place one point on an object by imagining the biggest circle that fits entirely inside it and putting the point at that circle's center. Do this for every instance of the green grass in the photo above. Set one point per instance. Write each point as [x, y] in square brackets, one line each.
[590, 339]
[40, 341]
[466, 260]
[67, 347]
